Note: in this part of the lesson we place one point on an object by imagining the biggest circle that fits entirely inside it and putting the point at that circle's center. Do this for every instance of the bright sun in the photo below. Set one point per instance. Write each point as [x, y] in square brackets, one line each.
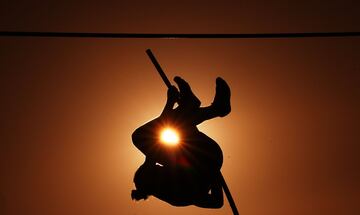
[169, 136]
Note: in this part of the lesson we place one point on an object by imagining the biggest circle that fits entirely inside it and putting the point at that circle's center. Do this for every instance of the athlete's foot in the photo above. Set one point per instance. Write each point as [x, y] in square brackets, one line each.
[187, 97]
[221, 103]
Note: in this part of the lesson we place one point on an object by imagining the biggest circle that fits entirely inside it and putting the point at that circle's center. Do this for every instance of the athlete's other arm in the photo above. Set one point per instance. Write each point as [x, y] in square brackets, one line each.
[214, 199]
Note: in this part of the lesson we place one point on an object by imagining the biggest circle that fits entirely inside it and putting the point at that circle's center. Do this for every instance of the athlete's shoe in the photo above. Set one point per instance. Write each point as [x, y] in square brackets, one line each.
[221, 103]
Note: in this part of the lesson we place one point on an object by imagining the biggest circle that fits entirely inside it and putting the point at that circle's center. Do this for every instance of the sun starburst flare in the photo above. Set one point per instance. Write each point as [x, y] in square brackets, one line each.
[169, 136]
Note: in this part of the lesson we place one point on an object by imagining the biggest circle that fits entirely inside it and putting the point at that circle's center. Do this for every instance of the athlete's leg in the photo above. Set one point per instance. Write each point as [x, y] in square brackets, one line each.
[146, 139]
[220, 106]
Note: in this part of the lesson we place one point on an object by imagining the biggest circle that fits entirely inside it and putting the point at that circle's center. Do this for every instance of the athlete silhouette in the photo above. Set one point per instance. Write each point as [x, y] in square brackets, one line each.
[187, 174]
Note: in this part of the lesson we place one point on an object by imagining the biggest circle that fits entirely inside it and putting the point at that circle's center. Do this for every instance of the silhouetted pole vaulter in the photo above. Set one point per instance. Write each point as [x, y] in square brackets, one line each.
[221, 177]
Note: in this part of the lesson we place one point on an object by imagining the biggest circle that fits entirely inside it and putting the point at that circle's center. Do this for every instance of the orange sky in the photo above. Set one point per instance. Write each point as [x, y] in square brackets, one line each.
[69, 106]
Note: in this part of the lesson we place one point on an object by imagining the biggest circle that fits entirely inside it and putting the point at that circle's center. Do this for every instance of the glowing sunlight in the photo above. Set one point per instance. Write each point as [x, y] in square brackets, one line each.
[169, 136]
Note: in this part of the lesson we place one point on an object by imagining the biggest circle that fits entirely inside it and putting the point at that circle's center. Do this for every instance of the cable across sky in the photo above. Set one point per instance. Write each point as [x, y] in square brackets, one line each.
[104, 35]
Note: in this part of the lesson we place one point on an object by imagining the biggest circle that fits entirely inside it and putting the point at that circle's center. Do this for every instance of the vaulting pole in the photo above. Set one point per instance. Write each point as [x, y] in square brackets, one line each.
[158, 68]
[228, 195]
[221, 177]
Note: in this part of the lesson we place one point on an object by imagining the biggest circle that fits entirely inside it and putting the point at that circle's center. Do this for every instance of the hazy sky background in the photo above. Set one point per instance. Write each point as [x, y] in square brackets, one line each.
[69, 106]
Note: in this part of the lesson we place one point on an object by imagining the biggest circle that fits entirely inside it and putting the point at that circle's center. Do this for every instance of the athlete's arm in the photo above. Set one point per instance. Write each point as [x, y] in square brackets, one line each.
[214, 199]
